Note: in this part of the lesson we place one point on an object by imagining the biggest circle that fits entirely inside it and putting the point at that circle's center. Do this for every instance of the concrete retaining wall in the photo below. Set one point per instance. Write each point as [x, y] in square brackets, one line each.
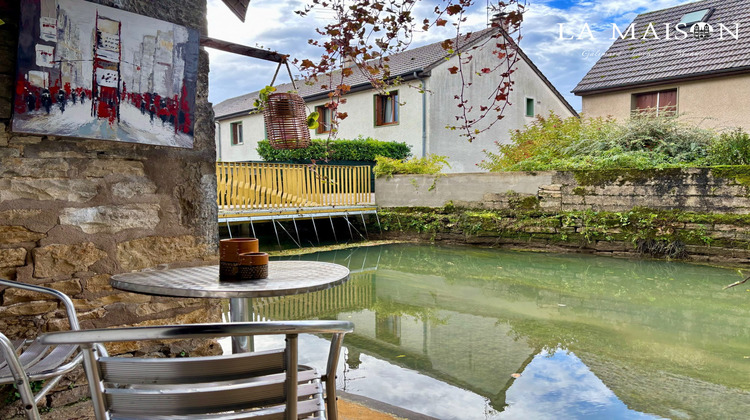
[697, 190]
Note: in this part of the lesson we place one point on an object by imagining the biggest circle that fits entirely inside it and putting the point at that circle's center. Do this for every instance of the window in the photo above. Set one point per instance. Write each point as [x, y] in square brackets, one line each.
[386, 108]
[530, 107]
[236, 133]
[697, 16]
[324, 119]
[663, 102]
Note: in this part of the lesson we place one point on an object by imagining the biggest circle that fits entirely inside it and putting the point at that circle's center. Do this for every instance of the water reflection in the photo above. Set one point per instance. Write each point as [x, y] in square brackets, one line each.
[443, 331]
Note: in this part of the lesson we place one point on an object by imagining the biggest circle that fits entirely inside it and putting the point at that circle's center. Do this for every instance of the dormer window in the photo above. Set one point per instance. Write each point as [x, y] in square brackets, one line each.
[697, 16]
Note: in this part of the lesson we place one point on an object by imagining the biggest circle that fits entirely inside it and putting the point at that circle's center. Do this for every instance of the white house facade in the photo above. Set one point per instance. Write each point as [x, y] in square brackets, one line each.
[416, 111]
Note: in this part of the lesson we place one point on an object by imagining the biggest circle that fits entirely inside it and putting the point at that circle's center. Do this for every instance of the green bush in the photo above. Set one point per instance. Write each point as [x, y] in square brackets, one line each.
[644, 141]
[361, 149]
[730, 149]
[430, 164]
[543, 143]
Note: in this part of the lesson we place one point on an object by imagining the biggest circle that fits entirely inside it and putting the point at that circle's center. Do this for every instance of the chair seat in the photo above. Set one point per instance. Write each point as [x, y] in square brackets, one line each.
[40, 362]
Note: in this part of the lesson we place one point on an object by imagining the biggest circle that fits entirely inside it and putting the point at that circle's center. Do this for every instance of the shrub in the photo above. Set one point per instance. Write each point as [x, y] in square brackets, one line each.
[361, 149]
[730, 149]
[541, 144]
[644, 141]
[430, 164]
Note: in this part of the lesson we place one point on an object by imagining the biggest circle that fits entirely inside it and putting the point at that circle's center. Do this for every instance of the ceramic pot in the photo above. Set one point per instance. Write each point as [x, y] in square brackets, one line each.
[253, 266]
[230, 249]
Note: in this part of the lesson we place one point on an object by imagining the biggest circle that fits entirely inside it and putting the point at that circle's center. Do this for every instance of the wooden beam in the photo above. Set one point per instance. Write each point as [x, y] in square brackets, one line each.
[242, 50]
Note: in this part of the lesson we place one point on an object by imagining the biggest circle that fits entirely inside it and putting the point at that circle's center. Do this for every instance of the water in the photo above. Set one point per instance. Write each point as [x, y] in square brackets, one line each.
[472, 333]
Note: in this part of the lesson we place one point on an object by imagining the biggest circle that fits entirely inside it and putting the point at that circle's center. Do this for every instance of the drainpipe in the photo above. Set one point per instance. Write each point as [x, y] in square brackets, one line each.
[218, 143]
[424, 113]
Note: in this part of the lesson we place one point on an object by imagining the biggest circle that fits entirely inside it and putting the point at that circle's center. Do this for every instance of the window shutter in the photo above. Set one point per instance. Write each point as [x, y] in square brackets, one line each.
[379, 109]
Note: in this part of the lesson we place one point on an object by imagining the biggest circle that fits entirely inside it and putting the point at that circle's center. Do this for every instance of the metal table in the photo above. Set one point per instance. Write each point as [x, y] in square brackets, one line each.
[284, 278]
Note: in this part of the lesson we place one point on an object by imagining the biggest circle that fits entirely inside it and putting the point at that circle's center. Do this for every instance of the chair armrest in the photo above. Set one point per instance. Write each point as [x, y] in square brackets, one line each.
[190, 331]
[69, 306]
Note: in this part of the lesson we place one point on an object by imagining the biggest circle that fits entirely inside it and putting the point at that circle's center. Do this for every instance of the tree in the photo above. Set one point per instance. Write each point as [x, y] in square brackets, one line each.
[364, 33]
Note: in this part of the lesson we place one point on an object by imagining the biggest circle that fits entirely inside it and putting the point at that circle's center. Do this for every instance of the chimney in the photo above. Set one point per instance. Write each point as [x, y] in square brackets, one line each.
[499, 20]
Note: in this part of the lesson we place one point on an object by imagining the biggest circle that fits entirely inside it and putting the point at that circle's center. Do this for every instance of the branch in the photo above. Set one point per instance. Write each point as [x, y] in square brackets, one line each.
[737, 283]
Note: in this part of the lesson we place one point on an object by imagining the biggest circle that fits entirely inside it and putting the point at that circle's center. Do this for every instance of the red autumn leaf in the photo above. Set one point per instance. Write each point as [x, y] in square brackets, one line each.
[342, 115]
[307, 64]
[486, 70]
[441, 22]
[346, 72]
[453, 70]
[454, 9]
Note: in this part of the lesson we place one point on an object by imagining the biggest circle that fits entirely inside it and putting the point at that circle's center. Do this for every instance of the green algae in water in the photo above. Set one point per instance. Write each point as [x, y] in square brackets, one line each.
[445, 330]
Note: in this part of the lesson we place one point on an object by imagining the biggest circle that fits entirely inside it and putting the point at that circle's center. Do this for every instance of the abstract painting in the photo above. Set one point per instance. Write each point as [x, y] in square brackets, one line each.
[91, 71]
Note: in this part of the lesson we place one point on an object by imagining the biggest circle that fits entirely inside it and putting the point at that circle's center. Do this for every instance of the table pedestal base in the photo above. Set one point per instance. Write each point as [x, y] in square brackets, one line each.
[241, 310]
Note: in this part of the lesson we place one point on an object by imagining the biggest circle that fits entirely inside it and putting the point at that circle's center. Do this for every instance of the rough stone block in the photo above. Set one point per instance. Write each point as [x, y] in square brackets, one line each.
[155, 250]
[8, 273]
[69, 287]
[14, 257]
[159, 307]
[98, 284]
[538, 229]
[27, 308]
[18, 216]
[34, 168]
[9, 152]
[104, 167]
[57, 260]
[68, 396]
[112, 219]
[75, 190]
[201, 315]
[92, 304]
[18, 234]
[13, 296]
[25, 140]
[725, 228]
[57, 149]
[4, 137]
[5, 106]
[134, 187]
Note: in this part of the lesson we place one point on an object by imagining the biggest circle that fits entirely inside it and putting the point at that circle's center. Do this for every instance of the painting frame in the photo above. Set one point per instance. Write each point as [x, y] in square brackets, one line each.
[90, 71]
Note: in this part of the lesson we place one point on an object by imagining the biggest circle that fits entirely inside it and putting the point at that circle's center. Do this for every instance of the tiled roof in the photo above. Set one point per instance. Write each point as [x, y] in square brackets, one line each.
[419, 59]
[632, 62]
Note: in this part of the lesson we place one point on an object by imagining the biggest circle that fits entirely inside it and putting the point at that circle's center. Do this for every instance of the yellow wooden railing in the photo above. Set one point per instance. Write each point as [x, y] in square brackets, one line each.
[354, 295]
[243, 185]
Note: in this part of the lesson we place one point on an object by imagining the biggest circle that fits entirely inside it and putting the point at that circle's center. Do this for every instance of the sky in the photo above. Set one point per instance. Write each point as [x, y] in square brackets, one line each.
[272, 24]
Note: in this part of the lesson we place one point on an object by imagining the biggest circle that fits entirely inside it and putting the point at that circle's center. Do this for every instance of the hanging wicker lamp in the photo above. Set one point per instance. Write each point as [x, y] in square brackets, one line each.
[286, 121]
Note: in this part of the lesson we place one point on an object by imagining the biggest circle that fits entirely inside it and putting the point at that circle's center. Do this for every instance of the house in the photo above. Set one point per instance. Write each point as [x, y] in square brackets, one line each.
[416, 111]
[692, 59]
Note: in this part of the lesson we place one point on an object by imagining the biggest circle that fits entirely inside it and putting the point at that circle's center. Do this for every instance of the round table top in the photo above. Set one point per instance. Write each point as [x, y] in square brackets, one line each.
[284, 278]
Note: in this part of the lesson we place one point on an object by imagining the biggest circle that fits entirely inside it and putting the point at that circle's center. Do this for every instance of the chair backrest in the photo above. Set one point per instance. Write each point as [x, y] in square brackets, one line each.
[269, 383]
[22, 362]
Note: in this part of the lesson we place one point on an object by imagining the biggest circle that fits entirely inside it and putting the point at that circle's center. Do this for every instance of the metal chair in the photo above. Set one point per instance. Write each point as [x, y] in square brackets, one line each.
[258, 385]
[26, 361]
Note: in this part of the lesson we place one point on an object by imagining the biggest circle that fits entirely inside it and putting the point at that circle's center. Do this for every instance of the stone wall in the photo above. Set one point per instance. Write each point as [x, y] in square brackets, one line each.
[696, 214]
[703, 190]
[75, 211]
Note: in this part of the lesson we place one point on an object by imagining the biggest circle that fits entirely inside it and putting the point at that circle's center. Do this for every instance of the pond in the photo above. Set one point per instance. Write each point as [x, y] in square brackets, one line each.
[472, 333]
